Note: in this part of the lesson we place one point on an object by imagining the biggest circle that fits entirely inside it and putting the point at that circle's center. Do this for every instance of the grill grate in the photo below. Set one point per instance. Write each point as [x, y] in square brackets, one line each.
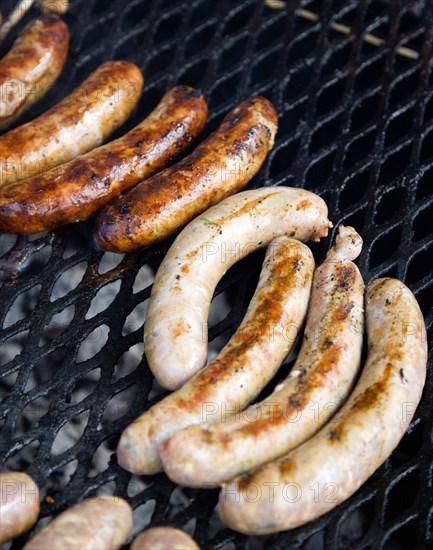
[355, 127]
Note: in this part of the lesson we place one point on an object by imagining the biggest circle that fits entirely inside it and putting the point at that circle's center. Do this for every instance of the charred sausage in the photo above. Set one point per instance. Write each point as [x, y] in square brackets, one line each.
[19, 505]
[242, 368]
[32, 65]
[102, 523]
[76, 190]
[219, 166]
[332, 465]
[317, 385]
[175, 334]
[75, 125]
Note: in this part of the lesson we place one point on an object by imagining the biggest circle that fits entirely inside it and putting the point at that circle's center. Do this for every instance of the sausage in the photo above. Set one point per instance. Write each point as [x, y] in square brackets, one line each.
[164, 538]
[32, 65]
[101, 523]
[219, 166]
[19, 506]
[76, 190]
[245, 365]
[75, 125]
[175, 334]
[318, 384]
[332, 465]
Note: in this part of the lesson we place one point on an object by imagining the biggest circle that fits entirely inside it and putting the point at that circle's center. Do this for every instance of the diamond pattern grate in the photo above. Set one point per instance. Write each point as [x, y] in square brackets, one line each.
[355, 127]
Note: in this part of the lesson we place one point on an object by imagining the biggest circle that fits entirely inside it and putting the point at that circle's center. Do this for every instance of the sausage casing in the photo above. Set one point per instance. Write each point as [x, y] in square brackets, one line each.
[19, 505]
[102, 523]
[164, 538]
[332, 465]
[175, 334]
[318, 384]
[75, 190]
[75, 125]
[32, 65]
[219, 166]
[244, 366]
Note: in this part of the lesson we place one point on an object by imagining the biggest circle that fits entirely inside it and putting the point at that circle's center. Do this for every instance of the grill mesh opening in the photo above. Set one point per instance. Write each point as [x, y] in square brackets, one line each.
[355, 127]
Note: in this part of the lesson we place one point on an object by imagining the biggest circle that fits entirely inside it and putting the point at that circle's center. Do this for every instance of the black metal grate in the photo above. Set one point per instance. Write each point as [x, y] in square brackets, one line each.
[355, 127]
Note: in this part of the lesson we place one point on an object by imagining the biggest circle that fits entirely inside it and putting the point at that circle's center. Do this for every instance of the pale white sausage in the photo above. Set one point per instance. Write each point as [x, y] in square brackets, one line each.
[101, 523]
[175, 333]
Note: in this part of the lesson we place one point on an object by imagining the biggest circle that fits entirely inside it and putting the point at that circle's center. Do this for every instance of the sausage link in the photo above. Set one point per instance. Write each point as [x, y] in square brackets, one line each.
[164, 538]
[19, 506]
[245, 365]
[32, 65]
[102, 523]
[317, 385]
[219, 166]
[332, 465]
[175, 334]
[75, 125]
[76, 190]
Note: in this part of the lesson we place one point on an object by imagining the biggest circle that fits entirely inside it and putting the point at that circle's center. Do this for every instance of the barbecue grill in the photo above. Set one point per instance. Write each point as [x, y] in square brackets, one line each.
[352, 82]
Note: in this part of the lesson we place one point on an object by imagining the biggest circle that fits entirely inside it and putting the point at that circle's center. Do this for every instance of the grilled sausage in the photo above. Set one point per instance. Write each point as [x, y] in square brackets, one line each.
[19, 505]
[75, 125]
[175, 334]
[102, 523]
[242, 368]
[218, 167]
[164, 538]
[32, 65]
[76, 190]
[331, 466]
[317, 385]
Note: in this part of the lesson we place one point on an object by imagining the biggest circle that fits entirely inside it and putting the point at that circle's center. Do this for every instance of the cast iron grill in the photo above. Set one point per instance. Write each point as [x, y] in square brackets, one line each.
[355, 127]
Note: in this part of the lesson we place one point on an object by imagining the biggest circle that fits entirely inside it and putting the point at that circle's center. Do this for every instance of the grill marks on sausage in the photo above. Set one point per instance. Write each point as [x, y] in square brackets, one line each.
[269, 313]
[364, 432]
[74, 191]
[220, 165]
[327, 356]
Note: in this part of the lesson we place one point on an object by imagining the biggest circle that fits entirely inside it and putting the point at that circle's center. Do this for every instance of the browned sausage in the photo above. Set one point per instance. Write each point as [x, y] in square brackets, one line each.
[32, 65]
[75, 125]
[19, 505]
[218, 167]
[76, 190]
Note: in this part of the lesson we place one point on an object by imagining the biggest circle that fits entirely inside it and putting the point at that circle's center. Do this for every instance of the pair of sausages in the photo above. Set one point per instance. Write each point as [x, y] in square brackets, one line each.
[78, 188]
[327, 469]
[77, 124]
[103, 523]
[219, 166]
[31, 66]
[100, 523]
[245, 365]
